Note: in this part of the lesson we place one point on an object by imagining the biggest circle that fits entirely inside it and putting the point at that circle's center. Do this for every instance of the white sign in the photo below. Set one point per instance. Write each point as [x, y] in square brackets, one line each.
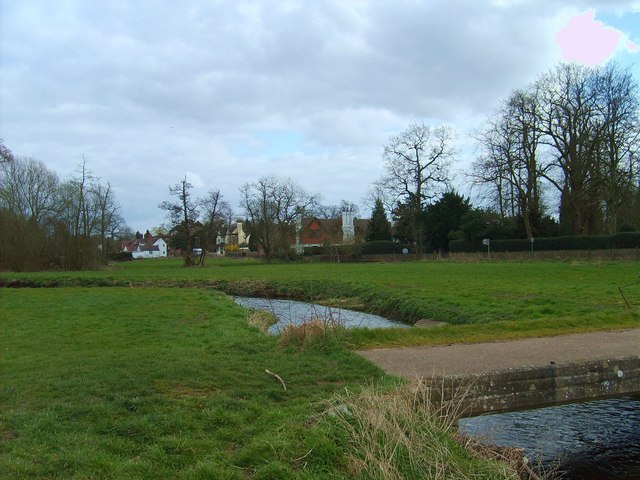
[486, 241]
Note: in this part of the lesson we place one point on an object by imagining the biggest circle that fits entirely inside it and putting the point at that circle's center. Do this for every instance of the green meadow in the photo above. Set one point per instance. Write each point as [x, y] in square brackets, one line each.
[149, 370]
[508, 299]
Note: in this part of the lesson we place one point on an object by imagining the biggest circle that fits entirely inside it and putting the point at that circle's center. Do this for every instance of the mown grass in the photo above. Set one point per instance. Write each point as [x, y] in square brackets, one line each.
[169, 383]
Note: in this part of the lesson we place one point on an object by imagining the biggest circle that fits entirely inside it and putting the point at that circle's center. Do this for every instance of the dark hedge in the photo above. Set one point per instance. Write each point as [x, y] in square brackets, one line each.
[577, 242]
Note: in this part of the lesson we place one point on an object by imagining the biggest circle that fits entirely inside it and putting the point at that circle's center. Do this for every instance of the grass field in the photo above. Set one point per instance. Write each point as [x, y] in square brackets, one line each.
[509, 299]
[171, 383]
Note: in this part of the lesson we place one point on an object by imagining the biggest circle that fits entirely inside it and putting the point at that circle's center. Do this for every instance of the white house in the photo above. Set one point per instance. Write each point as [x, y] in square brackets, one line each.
[234, 236]
[146, 247]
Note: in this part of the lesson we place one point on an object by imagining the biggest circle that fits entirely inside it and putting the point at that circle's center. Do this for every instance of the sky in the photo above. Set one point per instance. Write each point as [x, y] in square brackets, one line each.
[226, 92]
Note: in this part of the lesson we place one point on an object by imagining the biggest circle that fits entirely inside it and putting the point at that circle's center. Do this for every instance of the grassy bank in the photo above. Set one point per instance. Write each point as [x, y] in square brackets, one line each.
[171, 383]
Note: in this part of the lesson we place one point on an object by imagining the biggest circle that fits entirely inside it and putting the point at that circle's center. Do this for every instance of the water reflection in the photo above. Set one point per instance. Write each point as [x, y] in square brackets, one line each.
[594, 440]
[288, 312]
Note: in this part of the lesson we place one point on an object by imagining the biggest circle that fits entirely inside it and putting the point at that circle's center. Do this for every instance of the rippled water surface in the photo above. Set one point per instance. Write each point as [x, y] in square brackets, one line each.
[593, 440]
[288, 312]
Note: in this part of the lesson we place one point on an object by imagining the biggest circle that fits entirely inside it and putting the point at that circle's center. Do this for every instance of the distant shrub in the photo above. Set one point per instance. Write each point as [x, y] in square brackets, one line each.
[627, 227]
[315, 250]
[120, 257]
[627, 240]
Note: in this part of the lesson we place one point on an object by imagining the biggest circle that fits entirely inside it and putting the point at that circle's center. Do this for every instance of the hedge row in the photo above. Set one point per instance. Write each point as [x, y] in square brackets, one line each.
[577, 242]
[379, 247]
[342, 250]
[382, 247]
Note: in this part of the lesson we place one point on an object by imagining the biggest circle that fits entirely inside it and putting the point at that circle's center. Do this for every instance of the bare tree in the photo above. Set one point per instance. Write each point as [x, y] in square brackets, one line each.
[216, 213]
[417, 169]
[335, 211]
[53, 222]
[28, 209]
[619, 106]
[274, 205]
[107, 213]
[29, 189]
[183, 215]
[377, 191]
[509, 163]
[573, 128]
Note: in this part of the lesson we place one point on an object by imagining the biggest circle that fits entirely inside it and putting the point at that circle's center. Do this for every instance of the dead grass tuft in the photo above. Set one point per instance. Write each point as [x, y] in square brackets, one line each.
[316, 333]
[408, 433]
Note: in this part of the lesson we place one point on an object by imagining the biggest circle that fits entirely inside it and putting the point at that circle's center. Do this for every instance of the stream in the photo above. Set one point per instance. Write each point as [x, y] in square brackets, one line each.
[291, 312]
[585, 441]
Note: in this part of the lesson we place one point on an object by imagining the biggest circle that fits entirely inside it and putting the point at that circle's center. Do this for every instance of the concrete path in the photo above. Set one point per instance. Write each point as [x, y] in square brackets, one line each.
[413, 362]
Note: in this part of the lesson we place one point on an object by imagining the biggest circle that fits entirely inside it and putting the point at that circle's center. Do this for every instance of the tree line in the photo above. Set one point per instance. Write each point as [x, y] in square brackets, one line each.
[559, 157]
[48, 223]
[272, 209]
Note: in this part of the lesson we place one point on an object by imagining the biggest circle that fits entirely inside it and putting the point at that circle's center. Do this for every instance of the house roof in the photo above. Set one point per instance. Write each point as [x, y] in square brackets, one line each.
[334, 225]
[147, 244]
[327, 224]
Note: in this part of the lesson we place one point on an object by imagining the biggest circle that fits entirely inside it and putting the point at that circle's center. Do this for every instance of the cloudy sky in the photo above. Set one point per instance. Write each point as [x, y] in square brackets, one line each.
[228, 91]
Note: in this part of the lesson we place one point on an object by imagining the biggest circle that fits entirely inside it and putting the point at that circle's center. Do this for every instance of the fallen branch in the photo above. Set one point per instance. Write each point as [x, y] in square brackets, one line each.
[278, 377]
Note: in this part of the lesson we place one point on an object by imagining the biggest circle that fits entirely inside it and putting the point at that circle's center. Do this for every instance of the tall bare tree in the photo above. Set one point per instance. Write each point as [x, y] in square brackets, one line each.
[106, 212]
[417, 164]
[573, 128]
[619, 107]
[183, 214]
[509, 163]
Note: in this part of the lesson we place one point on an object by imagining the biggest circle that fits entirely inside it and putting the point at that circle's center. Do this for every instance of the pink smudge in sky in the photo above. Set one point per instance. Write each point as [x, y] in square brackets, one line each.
[586, 41]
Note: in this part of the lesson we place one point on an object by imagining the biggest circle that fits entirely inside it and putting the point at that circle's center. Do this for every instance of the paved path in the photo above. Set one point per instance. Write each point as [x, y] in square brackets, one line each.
[413, 362]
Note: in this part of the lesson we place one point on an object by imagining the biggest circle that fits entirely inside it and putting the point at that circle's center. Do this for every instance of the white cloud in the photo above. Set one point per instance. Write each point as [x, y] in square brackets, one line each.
[150, 90]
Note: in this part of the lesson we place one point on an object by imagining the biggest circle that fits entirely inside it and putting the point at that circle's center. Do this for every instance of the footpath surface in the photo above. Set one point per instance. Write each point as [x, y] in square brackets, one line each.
[478, 358]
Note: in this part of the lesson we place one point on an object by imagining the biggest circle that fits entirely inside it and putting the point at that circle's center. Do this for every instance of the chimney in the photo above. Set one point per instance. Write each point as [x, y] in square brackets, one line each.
[348, 230]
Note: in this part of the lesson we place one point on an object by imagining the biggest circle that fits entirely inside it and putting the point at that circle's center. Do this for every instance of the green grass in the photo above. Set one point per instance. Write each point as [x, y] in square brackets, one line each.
[503, 299]
[166, 383]
[146, 370]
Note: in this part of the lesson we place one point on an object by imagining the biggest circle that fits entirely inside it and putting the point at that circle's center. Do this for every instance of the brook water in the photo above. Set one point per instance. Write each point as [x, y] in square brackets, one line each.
[290, 312]
[597, 440]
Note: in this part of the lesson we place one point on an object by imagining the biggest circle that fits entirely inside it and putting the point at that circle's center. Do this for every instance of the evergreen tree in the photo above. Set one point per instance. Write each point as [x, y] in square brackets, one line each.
[379, 226]
[444, 216]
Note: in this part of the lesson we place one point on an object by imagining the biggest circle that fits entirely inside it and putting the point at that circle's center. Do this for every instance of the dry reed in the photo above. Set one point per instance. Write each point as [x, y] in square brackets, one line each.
[408, 433]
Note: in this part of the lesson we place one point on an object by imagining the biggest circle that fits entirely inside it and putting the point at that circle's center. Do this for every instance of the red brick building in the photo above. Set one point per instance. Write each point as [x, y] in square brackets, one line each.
[316, 232]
